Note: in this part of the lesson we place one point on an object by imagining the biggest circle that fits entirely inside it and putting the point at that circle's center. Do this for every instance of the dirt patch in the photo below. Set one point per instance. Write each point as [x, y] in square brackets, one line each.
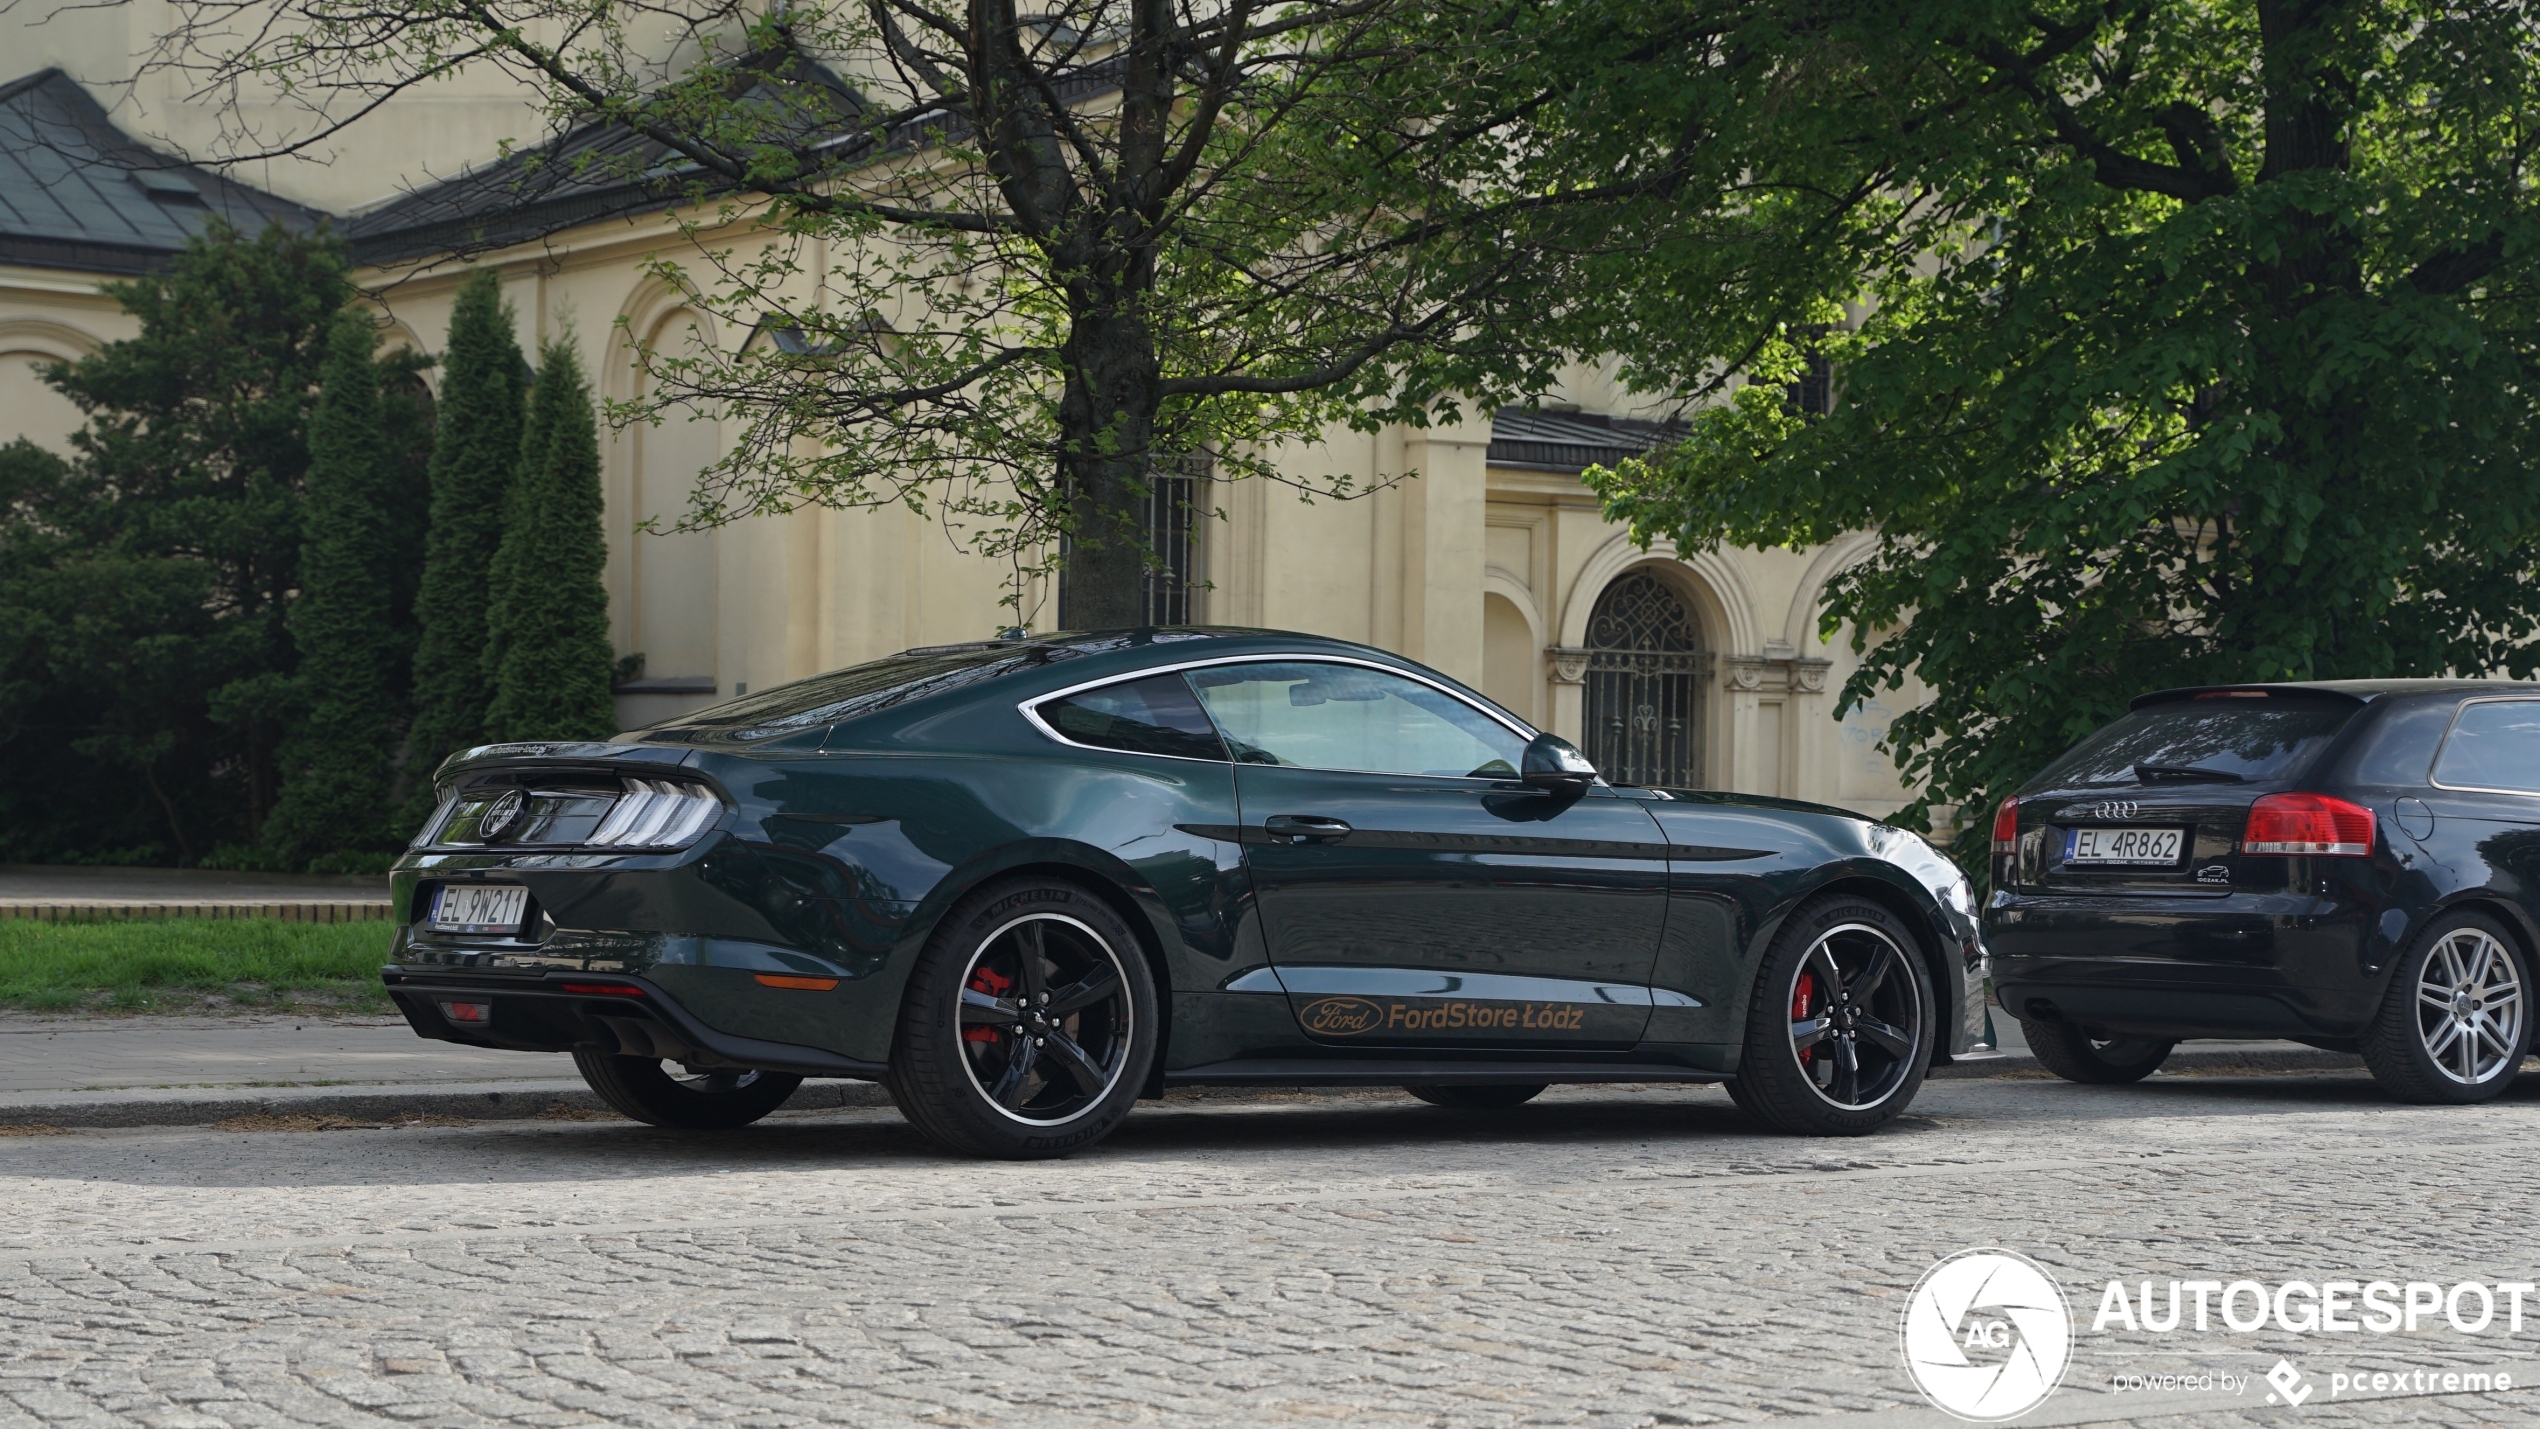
[33, 1128]
[566, 1111]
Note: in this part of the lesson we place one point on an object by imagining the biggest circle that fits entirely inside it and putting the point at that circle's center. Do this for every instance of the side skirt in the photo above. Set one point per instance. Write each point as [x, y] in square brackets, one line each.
[1389, 1072]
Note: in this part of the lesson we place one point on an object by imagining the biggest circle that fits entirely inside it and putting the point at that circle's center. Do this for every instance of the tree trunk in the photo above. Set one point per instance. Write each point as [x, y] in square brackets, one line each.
[1106, 423]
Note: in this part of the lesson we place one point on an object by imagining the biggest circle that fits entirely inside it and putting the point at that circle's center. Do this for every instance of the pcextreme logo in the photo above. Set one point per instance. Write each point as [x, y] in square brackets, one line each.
[1987, 1335]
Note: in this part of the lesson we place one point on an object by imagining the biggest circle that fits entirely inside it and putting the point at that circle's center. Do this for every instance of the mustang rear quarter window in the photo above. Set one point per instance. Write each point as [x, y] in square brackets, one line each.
[1156, 715]
[2226, 740]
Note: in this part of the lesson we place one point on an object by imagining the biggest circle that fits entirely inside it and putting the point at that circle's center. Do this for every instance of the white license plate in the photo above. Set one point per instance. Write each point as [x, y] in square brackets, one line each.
[478, 908]
[2123, 848]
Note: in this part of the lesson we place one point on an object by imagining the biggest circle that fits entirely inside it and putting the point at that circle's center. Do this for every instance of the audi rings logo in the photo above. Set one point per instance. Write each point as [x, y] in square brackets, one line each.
[1987, 1335]
[2112, 809]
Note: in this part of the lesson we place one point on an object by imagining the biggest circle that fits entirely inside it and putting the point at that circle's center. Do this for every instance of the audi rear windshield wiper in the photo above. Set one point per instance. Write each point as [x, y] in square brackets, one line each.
[2187, 771]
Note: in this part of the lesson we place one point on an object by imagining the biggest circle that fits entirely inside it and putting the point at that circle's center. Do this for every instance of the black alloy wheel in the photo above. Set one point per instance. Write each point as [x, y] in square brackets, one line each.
[2076, 1054]
[666, 1094]
[1839, 1031]
[1460, 1097]
[1029, 1025]
[2456, 1021]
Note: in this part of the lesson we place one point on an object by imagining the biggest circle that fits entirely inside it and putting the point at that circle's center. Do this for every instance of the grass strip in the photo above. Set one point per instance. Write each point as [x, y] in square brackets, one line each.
[188, 962]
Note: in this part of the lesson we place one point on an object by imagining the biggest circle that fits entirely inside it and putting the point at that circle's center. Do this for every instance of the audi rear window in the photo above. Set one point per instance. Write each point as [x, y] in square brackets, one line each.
[2226, 739]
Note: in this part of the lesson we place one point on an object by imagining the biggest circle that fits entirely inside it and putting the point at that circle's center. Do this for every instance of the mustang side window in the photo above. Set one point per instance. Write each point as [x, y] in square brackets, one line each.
[1155, 715]
[2495, 744]
[1321, 716]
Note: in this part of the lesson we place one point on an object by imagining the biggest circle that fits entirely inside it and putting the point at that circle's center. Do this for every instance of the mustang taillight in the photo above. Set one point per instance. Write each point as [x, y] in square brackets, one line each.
[656, 813]
[2006, 827]
[2308, 824]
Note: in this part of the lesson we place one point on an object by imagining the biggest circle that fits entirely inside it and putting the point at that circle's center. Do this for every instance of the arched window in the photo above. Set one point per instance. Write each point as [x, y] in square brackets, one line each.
[1647, 671]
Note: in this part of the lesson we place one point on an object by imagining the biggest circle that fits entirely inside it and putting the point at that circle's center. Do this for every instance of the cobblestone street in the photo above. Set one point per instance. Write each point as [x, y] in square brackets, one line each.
[1600, 1257]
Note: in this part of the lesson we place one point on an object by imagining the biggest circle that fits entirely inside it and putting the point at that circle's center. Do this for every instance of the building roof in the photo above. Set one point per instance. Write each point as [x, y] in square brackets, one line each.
[76, 192]
[594, 172]
[1570, 441]
[606, 170]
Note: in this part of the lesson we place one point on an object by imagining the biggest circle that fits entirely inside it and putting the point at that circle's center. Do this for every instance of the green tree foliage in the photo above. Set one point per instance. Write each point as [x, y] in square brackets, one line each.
[145, 584]
[1036, 247]
[340, 760]
[148, 657]
[547, 650]
[476, 454]
[2194, 343]
[408, 418]
[109, 651]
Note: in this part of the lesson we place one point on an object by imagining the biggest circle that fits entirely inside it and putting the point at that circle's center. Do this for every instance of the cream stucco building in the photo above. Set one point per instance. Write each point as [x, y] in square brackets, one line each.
[1492, 563]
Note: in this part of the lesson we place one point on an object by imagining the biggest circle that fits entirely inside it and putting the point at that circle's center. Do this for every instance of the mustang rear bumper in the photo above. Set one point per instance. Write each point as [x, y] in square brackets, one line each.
[560, 1013]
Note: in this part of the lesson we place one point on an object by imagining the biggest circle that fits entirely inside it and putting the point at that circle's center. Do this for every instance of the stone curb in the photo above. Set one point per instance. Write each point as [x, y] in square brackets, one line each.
[517, 1101]
[2291, 1057]
[476, 1101]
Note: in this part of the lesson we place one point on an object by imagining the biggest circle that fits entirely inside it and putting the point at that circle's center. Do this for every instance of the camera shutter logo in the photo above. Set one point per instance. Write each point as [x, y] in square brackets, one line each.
[1987, 1335]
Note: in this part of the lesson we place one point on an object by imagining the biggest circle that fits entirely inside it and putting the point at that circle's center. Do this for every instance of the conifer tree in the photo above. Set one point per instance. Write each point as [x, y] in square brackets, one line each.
[547, 648]
[475, 459]
[338, 761]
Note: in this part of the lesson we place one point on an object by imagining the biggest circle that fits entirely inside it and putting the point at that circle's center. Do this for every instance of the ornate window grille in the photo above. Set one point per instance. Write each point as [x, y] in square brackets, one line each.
[1647, 679]
[1177, 490]
[1813, 394]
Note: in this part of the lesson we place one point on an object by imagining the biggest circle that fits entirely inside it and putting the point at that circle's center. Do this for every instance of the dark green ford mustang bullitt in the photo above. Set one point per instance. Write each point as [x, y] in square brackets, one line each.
[1023, 884]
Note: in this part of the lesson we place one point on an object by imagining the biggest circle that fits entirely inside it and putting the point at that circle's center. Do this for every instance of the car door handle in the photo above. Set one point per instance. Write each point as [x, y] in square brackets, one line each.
[1303, 828]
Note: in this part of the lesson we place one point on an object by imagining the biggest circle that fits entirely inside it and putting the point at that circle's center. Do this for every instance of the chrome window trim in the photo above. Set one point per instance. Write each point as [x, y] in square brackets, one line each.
[2446, 742]
[1030, 709]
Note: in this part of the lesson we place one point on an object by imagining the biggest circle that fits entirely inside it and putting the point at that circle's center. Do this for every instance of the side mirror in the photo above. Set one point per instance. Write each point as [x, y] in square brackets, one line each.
[1556, 764]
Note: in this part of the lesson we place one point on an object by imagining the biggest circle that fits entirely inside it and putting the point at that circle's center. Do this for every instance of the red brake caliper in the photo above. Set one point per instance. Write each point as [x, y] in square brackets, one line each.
[1799, 1012]
[994, 984]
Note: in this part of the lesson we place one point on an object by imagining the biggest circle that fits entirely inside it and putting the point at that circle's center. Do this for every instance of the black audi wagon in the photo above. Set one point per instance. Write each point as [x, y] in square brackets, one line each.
[1023, 884]
[2349, 864]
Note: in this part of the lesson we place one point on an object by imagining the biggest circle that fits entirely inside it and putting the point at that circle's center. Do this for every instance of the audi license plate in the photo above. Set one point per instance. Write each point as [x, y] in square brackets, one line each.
[2123, 847]
[478, 908]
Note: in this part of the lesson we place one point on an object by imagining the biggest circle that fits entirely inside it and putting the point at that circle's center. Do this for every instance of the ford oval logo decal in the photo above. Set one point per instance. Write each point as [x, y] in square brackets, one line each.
[1340, 1016]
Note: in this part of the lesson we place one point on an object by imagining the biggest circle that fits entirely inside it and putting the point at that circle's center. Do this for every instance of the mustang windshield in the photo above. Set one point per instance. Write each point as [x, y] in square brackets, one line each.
[2227, 740]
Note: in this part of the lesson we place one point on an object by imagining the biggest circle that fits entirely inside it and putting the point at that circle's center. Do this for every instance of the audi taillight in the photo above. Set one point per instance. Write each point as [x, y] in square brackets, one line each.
[2308, 824]
[2006, 827]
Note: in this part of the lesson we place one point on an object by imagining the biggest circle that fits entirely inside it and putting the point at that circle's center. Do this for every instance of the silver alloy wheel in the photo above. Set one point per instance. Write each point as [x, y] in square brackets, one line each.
[1051, 1053]
[2470, 1007]
[1856, 1016]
